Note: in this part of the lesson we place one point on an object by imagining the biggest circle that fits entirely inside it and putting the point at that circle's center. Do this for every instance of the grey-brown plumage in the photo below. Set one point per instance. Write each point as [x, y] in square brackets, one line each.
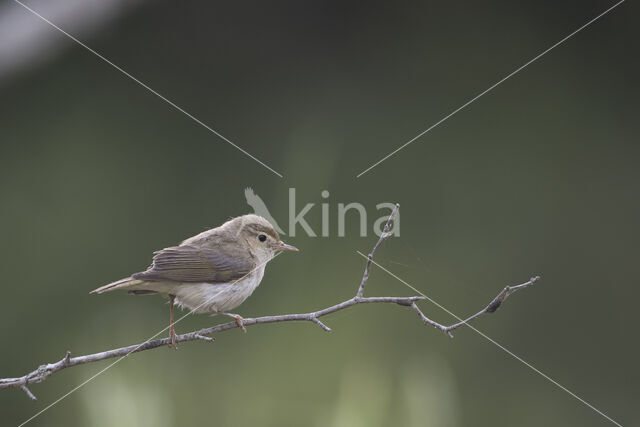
[189, 263]
[212, 272]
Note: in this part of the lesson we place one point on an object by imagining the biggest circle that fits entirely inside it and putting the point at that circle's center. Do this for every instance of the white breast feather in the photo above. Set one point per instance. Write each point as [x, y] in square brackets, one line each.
[218, 297]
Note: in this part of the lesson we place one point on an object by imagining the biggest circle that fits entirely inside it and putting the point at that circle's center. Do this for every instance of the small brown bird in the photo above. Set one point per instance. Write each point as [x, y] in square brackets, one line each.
[212, 272]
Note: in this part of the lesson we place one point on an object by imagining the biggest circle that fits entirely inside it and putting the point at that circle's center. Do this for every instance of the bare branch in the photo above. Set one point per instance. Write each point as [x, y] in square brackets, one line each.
[26, 390]
[491, 308]
[383, 236]
[322, 325]
[44, 371]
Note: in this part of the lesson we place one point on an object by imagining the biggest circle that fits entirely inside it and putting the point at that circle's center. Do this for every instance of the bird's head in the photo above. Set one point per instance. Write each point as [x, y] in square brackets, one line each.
[263, 240]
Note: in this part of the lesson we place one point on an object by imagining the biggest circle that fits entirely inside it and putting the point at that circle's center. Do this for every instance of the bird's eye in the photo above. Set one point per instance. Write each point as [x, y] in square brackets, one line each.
[262, 237]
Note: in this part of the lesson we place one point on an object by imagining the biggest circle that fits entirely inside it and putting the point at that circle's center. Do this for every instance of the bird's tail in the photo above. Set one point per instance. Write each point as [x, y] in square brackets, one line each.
[119, 284]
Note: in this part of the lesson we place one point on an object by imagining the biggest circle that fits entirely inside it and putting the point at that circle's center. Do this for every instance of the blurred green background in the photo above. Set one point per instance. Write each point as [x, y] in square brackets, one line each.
[540, 176]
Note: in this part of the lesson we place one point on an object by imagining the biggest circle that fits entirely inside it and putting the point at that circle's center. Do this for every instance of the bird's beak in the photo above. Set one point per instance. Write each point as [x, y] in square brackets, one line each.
[282, 246]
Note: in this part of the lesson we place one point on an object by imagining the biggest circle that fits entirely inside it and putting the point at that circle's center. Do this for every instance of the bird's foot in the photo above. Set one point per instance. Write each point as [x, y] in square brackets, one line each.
[239, 320]
[173, 337]
[172, 331]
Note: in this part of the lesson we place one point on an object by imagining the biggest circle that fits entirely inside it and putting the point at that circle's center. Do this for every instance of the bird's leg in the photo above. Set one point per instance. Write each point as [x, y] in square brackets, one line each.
[238, 320]
[172, 331]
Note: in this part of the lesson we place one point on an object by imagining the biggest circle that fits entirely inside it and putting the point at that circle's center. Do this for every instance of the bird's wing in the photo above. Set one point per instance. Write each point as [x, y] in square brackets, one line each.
[188, 263]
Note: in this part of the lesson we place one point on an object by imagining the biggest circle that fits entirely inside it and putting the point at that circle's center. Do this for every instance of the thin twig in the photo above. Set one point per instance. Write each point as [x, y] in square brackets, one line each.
[26, 390]
[490, 308]
[383, 236]
[44, 371]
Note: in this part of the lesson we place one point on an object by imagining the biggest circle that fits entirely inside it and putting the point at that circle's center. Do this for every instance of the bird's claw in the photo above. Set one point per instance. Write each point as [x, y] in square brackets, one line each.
[240, 323]
[239, 320]
[173, 339]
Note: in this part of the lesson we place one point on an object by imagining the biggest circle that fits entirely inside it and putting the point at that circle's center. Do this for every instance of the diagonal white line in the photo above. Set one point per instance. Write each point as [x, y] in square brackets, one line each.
[174, 105]
[500, 346]
[490, 88]
[91, 378]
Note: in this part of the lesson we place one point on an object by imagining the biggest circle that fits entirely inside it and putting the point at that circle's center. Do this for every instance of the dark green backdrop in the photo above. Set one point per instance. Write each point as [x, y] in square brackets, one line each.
[540, 176]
